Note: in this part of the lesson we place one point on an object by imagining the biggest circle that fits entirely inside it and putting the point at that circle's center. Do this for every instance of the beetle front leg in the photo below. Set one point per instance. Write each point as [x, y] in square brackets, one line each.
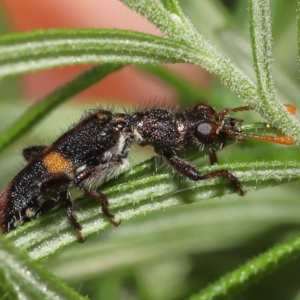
[213, 159]
[187, 170]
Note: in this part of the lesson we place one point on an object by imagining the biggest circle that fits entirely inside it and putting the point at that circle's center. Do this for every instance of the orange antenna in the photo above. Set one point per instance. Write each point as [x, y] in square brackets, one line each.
[291, 109]
[284, 140]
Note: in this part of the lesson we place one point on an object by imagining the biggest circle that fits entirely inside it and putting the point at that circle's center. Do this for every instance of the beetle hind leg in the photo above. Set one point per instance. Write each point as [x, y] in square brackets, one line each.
[73, 218]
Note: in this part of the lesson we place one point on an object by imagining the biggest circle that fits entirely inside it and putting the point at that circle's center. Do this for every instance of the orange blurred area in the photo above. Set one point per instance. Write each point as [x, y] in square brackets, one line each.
[127, 85]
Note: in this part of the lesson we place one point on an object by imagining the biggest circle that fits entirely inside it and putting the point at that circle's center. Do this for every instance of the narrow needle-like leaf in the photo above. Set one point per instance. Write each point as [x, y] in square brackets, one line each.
[261, 38]
[249, 273]
[26, 279]
[139, 192]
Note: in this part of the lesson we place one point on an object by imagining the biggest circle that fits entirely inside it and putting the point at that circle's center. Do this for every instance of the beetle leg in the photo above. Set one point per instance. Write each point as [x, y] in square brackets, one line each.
[187, 170]
[80, 178]
[72, 217]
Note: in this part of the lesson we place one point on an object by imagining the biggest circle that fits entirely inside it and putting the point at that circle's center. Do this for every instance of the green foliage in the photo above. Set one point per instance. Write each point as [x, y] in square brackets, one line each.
[174, 250]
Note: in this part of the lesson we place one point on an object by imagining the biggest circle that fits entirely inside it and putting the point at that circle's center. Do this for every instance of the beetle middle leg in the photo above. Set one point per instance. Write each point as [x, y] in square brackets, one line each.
[79, 179]
[104, 204]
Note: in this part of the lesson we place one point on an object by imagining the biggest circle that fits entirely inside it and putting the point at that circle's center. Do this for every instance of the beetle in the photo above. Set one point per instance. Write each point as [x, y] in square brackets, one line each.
[97, 147]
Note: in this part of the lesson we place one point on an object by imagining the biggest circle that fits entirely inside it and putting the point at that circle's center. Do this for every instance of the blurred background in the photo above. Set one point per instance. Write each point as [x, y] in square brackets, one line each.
[168, 254]
[133, 86]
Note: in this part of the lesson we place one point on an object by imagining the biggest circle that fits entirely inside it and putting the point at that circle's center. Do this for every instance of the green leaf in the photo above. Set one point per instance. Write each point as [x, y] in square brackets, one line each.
[261, 37]
[173, 7]
[147, 193]
[38, 50]
[22, 278]
[249, 273]
[298, 31]
[202, 52]
[7, 290]
[228, 31]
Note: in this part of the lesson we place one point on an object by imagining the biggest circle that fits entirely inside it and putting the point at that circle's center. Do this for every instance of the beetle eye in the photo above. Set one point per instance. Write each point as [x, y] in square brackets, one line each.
[206, 132]
[205, 129]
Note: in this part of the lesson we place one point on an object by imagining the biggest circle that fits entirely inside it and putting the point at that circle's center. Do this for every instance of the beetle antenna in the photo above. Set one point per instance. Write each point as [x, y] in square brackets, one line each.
[284, 140]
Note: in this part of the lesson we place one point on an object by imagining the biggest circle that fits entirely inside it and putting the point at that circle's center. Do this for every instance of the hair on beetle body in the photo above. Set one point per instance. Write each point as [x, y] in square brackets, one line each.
[97, 147]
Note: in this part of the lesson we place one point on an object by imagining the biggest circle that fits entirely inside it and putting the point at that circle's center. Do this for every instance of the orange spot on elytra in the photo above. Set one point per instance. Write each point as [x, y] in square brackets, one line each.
[56, 163]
